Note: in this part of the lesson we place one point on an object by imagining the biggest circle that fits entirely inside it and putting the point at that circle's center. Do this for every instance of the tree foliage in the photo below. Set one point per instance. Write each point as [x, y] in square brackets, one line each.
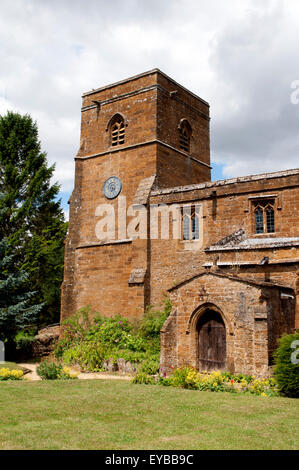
[286, 370]
[15, 309]
[31, 218]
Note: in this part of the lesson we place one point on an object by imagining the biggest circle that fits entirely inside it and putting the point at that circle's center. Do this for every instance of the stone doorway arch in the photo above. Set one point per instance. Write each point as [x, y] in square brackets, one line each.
[211, 341]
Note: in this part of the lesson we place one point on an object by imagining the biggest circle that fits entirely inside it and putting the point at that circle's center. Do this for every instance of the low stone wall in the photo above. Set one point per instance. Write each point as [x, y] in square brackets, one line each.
[121, 366]
[45, 340]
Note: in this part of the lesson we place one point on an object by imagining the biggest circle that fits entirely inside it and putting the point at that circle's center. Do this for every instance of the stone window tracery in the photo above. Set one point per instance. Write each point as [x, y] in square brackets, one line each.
[185, 132]
[190, 223]
[117, 130]
[264, 217]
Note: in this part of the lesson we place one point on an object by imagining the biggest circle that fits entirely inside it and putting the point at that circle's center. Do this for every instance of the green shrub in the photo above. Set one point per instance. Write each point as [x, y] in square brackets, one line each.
[286, 371]
[149, 367]
[77, 326]
[215, 381]
[110, 331]
[89, 342]
[132, 342]
[143, 378]
[163, 380]
[236, 377]
[71, 355]
[179, 377]
[89, 355]
[60, 346]
[24, 340]
[153, 320]
[49, 370]
[149, 326]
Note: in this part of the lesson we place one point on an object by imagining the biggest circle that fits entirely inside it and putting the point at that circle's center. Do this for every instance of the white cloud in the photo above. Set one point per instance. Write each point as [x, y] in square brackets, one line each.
[240, 56]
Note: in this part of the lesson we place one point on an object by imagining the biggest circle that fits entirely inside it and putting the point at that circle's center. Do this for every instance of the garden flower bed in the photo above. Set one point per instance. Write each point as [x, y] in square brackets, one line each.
[214, 381]
[10, 374]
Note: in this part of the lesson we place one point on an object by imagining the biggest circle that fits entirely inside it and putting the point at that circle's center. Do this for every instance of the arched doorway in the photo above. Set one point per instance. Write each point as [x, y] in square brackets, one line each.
[211, 341]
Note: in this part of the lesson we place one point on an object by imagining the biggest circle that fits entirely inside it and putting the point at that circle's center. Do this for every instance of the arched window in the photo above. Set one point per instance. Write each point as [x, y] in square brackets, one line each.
[270, 218]
[264, 217]
[259, 220]
[194, 225]
[117, 130]
[186, 227]
[190, 222]
[185, 132]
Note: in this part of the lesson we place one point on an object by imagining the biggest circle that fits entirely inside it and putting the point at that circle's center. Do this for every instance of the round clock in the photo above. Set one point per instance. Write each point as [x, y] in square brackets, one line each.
[112, 187]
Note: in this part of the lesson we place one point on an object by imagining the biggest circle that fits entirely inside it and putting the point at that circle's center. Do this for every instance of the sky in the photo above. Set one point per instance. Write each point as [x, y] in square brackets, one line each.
[239, 55]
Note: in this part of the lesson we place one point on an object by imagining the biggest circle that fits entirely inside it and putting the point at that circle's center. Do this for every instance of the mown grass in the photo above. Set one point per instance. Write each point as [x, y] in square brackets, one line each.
[103, 414]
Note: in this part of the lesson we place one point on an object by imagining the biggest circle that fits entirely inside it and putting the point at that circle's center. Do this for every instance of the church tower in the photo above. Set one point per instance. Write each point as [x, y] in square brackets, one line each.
[141, 133]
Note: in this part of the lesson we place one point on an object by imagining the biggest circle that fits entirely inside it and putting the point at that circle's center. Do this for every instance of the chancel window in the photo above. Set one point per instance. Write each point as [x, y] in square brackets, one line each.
[190, 223]
[117, 131]
[264, 218]
[259, 220]
[185, 132]
[270, 219]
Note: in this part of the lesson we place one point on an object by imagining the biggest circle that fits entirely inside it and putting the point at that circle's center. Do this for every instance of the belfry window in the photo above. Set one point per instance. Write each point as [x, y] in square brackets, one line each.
[264, 219]
[117, 131]
[185, 132]
[190, 223]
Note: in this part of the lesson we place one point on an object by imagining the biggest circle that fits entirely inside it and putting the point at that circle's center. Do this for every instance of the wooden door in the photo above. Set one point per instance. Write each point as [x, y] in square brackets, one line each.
[211, 342]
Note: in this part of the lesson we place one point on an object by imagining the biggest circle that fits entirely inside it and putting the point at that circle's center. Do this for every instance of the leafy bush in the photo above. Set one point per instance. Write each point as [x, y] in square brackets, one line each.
[115, 333]
[153, 320]
[179, 378]
[24, 340]
[51, 371]
[216, 381]
[89, 355]
[110, 330]
[10, 374]
[92, 354]
[75, 329]
[143, 378]
[150, 325]
[263, 387]
[150, 367]
[89, 342]
[286, 371]
[236, 377]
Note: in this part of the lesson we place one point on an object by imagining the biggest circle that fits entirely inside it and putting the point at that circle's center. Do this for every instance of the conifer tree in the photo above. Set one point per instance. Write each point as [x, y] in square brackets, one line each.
[15, 309]
[32, 219]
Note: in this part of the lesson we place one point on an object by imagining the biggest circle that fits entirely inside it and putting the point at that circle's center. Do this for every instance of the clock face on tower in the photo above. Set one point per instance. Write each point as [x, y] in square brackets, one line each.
[112, 187]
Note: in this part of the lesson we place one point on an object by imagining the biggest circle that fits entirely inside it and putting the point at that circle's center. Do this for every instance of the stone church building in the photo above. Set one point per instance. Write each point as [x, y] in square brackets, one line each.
[146, 220]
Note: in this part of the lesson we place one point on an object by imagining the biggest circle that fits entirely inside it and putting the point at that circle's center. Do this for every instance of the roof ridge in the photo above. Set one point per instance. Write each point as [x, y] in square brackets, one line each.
[234, 278]
[223, 182]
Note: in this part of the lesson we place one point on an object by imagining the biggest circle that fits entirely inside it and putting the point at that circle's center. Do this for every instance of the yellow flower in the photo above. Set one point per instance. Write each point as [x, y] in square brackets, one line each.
[74, 375]
[10, 373]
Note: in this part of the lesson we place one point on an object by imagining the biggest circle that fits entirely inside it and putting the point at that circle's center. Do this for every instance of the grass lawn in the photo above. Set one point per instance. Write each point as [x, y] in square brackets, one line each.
[103, 414]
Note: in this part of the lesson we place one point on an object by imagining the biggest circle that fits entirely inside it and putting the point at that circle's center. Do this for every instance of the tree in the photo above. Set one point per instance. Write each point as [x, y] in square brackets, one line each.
[32, 220]
[286, 371]
[15, 309]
